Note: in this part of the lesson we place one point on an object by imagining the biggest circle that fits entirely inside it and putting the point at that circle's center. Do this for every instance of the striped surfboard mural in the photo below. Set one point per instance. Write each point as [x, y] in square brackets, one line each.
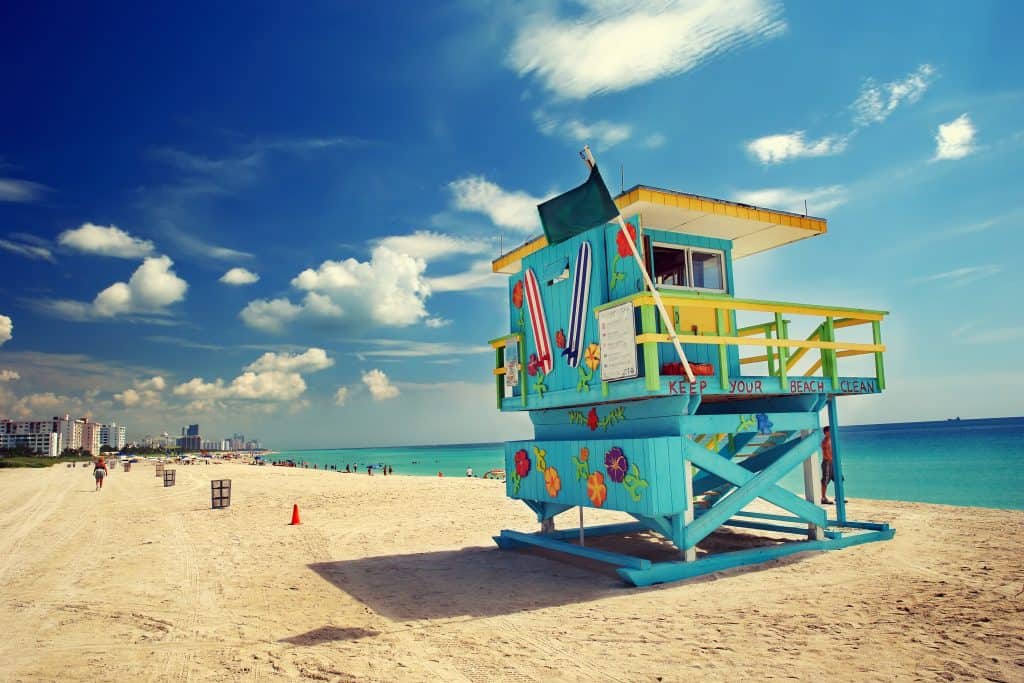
[578, 310]
[539, 324]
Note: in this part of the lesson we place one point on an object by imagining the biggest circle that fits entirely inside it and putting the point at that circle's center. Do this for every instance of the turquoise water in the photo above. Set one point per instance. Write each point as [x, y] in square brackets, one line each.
[968, 462]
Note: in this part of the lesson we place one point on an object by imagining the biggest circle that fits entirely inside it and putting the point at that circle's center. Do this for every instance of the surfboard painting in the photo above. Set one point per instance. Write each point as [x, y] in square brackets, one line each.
[578, 311]
[538, 323]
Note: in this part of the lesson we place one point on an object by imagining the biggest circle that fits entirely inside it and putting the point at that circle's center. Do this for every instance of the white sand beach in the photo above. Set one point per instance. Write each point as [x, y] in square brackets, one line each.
[397, 579]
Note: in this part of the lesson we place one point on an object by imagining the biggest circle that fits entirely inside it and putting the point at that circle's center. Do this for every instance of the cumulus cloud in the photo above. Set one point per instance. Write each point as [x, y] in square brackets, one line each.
[32, 251]
[21, 191]
[266, 386]
[820, 200]
[774, 149]
[380, 386]
[508, 209]
[9, 376]
[877, 102]
[105, 241]
[615, 46]
[437, 322]
[388, 290]
[145, 393]
[239, 276]
[480, 274]
[955, 139]
[311, 360]
[341, 396]
[6, 329]
[152, 287]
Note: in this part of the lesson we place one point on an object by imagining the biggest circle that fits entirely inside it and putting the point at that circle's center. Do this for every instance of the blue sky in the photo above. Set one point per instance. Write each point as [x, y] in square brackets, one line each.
[278, 220]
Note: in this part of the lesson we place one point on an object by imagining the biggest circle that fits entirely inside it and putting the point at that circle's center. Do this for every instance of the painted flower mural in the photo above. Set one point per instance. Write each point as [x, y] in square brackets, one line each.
[517, 294]
[592, 356]
[552, 482]
[560, 339]
[597, 492]
[522, 463]
[622, 244]
[616, 465]
[533, 365]
[592, 420]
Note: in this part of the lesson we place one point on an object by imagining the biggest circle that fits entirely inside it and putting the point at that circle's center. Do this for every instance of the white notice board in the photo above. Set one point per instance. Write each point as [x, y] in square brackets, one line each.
[617, 332]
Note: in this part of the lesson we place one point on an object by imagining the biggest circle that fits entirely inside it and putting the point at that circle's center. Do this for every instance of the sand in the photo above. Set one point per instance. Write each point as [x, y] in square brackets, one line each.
[397, 579]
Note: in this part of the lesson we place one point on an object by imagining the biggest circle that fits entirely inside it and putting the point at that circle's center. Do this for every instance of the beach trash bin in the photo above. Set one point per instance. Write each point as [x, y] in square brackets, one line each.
[168, 478]
[159, 469]
[220, 493]
[127, 467]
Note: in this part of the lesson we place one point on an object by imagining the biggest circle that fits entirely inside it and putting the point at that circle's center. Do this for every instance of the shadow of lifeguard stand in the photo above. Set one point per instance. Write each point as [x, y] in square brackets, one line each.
[624, 430]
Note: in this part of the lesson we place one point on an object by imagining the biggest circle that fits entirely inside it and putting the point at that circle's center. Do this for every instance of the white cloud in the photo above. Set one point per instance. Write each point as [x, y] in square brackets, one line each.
[31, 251]
[614, 46]
[600, 134]
[269, 316]
[9, 376]
[394, 349]
[199, 247]
[341, 396]
[6, 329]
[146, 393]
[105, 241]
[239, 276]
[14, 190]
[388, 290]
[774, 149]
[877, 102]
[959, 277]
[381, 388]
[152, 287]
[955, 139]
[429, 245]
[820, 200]
[654, 141]
[266, 386]
[437, 322]
[515, 210]
[480, 274]
[311, 360]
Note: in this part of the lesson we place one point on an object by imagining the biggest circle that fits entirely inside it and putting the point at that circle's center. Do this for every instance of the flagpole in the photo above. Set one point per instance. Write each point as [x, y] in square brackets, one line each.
[668, 322]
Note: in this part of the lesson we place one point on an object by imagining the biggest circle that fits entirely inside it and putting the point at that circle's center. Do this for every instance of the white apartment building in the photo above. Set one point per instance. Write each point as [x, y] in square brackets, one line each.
[41, 436]
[113, 435]
[70, 432]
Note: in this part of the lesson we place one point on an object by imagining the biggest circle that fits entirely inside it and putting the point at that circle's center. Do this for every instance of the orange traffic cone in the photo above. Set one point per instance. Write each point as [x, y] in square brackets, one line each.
[295, 515]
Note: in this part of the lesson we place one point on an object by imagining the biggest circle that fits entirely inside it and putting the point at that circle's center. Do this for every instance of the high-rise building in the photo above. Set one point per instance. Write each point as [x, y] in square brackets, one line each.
[113, 435]
[70, 432]
[90, 436]
[40, 436]
[193, 430]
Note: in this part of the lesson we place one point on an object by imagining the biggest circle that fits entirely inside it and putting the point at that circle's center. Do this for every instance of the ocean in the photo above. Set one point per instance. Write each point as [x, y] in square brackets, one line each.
[958, 462]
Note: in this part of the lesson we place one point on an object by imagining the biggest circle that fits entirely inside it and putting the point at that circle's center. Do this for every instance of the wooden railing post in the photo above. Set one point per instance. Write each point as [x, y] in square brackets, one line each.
[770, 350]
[782, 333]
[499, 380]
[876, 333]
[649, 325]
[723, 351]
[830, 354]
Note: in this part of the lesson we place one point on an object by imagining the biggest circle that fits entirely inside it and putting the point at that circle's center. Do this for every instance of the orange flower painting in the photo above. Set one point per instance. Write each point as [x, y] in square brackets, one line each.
[597, 492]
[552, 482]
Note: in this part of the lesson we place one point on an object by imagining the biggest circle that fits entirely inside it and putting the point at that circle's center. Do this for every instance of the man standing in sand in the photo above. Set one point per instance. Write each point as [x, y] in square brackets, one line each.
[827, 473]
[99, 471]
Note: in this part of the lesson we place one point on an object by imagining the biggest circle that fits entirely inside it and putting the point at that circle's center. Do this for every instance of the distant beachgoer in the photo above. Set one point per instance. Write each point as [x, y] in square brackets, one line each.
[347, 469]
[99, 471]
[440, 474]
[369, 470]
[391, 470]
[827, 472]
[469, 471]
[384, 470]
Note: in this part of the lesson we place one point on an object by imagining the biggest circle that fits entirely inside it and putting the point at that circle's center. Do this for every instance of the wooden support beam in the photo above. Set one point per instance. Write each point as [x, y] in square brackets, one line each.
[649, 325]
[723, 355]
[876, 334]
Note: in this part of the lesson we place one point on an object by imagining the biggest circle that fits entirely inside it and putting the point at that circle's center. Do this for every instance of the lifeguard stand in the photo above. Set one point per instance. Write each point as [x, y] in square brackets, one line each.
[624, 430]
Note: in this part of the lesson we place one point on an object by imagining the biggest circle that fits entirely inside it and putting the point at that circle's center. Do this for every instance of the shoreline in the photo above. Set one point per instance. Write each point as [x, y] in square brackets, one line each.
[397, 578]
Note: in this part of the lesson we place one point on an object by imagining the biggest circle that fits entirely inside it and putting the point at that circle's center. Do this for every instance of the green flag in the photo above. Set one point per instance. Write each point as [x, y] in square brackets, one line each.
[577, 210]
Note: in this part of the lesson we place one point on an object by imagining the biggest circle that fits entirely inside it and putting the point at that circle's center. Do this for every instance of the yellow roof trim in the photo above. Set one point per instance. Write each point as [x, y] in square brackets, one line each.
[512, 261]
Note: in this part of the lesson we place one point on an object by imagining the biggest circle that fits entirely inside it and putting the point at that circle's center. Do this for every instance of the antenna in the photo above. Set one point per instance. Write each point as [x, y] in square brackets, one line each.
[805, 207]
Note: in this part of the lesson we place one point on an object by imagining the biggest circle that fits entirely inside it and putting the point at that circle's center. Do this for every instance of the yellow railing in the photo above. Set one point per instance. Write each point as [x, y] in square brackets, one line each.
[705, 319]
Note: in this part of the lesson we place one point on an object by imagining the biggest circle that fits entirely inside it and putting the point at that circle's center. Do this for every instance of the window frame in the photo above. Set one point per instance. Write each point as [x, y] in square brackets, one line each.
[689, 250]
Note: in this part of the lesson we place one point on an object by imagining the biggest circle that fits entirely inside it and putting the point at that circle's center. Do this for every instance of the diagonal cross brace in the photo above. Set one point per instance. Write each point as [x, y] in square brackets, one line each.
[751, 486]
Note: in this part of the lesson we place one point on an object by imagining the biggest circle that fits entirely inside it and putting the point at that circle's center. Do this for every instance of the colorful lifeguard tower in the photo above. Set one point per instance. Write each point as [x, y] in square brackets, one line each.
[617, 423]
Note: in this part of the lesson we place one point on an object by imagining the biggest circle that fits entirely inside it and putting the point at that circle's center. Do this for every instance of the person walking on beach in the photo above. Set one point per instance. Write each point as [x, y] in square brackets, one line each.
[827, 473]
[99, 471]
